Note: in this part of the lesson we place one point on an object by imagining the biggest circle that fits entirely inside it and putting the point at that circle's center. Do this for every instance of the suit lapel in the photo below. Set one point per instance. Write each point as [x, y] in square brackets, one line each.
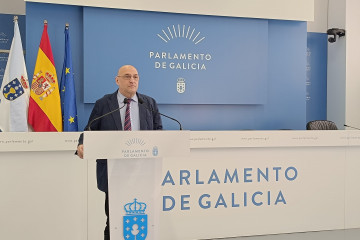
[113, 104]
[142, 114]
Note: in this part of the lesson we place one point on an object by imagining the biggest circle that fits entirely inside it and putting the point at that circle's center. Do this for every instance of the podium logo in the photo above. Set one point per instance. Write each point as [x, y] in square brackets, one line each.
[135, 222]
[137, 149]
[135, 141]
[155, 151]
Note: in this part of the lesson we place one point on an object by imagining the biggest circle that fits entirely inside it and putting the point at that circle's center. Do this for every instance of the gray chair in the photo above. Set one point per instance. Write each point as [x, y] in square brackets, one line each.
[321, 125]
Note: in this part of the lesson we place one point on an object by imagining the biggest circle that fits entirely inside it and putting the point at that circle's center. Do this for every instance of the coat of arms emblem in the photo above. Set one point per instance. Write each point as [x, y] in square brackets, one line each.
[180, 86]
[13, 90]
[155, 151]
[135, 221]
[43, 84]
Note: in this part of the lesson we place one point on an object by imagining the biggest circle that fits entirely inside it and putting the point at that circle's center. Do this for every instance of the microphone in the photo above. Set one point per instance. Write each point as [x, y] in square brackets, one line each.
[104, 115]
[351, 127]
[142, 102]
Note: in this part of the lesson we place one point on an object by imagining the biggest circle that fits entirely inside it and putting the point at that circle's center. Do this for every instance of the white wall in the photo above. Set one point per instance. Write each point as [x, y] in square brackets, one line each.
[352, 39]
[302, 10]
[320, 23]
[12, 7]
[336, 82]
[343, 64]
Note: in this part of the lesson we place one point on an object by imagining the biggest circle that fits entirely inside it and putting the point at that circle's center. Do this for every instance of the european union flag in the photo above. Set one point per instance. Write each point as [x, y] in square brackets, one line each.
[67, 90]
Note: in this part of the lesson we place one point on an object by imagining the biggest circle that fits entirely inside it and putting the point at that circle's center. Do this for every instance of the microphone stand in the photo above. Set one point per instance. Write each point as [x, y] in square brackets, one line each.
[142, 103]
[351, 127]
[104, 115]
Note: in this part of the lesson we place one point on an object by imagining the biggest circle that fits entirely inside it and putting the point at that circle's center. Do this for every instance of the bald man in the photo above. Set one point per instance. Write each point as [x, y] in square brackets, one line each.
[141, 118]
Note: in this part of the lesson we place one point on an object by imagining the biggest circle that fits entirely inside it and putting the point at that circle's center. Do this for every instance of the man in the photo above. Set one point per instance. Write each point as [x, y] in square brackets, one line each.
[144, 115]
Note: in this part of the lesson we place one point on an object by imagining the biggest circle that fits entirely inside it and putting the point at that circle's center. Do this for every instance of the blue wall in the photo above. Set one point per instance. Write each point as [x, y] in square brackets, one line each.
[285, 106]
[6, 36]
[316, 76]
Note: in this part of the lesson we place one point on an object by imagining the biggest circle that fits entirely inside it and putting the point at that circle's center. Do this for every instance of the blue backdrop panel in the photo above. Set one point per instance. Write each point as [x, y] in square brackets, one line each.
[316, 76]
[285, 106]
[182, 59]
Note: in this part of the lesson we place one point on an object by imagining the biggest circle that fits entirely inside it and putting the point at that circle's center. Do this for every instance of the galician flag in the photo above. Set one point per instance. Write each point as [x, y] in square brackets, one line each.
[44, 105]
[67, 90]
[14, 93]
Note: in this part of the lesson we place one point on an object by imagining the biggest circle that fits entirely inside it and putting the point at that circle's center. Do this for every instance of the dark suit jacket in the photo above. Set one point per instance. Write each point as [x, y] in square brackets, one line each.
[149, 120]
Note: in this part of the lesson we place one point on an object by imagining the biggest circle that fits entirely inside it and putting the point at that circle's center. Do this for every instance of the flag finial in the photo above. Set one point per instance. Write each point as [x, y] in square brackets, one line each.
[45, 21]
[67, 25]
[16, 18]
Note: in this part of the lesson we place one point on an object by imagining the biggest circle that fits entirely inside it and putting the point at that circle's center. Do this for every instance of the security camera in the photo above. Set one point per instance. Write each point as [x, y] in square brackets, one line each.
[334, 32]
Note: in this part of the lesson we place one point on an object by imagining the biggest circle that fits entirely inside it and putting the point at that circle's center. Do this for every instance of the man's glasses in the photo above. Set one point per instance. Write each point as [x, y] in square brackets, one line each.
[128, 77]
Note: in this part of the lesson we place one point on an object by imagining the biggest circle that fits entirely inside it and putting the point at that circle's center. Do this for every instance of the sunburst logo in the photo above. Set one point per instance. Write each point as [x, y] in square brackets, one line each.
[174, 32]
[134, 141]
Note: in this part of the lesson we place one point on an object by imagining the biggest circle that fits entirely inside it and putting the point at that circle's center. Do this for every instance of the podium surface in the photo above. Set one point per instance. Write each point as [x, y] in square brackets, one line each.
[229, 185]
[242, 183]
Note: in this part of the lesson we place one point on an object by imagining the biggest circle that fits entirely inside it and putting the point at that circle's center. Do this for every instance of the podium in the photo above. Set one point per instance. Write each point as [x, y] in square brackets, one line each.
[134, 176]
[228, 186]
[230, 183]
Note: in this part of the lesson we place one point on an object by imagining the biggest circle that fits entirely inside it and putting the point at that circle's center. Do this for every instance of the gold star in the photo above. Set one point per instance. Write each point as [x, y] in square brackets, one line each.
[67, 70]
[71, 119]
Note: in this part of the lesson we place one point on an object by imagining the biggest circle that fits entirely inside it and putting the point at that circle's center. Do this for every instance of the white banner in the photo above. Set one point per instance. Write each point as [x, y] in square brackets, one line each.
[134, 198]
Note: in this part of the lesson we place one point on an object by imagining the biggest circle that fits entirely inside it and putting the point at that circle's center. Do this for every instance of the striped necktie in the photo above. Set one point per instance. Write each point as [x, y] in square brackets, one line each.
[127, 123]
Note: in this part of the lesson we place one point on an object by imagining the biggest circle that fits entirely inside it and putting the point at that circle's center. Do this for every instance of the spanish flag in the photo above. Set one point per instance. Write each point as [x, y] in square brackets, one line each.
[44, 104]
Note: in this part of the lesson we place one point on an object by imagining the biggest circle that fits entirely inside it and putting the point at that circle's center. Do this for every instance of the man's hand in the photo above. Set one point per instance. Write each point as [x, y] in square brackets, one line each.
[80, 151]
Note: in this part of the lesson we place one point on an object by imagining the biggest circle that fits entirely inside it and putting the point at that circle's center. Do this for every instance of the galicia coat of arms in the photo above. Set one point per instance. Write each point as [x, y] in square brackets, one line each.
[14, 89]
[155, 151]
[135, 222]
[180, 86]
